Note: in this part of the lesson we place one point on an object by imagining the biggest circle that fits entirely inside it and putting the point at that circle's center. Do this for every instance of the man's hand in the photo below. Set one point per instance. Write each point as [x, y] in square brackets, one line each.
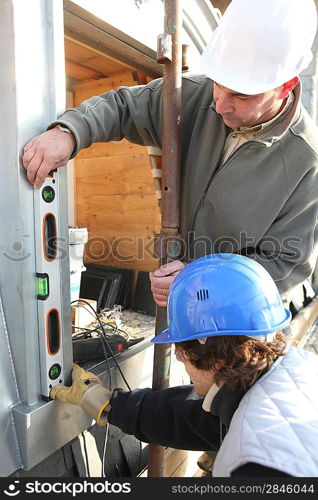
[86, 391]
[161, 281]
[46, 152]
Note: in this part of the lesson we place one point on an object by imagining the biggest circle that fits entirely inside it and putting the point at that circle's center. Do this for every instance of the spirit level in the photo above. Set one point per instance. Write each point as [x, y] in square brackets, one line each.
[48, 283]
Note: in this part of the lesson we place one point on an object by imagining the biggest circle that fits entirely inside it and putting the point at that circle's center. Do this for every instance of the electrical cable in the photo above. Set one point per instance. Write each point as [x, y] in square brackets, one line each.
[109, 383]
[84, 330]
[117, 329]
[104, 337]
[89, 331]
[78, 327]
[87, 334]
[82, 305]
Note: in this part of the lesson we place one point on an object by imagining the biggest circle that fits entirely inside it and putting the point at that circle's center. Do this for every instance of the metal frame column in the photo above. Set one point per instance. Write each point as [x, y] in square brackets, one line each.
[32, 93]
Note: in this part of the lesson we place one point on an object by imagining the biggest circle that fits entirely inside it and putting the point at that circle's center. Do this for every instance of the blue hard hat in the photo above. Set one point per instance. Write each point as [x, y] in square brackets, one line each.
[223, 294]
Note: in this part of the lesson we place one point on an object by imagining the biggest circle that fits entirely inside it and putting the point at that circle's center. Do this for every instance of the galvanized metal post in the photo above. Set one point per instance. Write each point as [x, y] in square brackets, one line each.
[169, 54]
[32, 94]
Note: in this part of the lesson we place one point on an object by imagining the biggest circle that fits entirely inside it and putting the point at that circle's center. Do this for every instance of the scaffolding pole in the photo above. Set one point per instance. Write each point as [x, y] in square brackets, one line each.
[167, 243]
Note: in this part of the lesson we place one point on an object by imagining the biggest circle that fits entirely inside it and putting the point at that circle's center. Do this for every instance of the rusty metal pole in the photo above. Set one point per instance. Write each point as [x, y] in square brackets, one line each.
[167, 244]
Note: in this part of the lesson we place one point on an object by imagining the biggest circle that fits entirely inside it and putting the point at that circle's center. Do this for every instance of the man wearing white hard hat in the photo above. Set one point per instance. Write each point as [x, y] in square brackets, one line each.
[254, 399]
[248, 148]
[254, 59]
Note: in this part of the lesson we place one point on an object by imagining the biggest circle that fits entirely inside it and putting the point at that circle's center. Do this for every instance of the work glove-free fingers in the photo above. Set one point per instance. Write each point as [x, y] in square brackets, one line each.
[46, 152]
[162, 279]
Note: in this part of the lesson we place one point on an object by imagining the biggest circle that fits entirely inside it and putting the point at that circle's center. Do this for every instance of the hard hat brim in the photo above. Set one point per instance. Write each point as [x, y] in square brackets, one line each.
[166, 338]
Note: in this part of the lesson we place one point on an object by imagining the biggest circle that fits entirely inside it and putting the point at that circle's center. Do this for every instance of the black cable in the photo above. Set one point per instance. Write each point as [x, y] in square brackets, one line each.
[109, 383]
[83, 335]
[87, 334]
[91, 330]
[116, 328]
[104, 340]
[104, 337]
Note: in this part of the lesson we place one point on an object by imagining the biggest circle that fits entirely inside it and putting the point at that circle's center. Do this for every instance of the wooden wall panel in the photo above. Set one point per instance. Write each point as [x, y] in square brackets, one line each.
[115, 197]
[113, 148]
[89, 88]
[126, 213]
[133, 250]
[115, 175]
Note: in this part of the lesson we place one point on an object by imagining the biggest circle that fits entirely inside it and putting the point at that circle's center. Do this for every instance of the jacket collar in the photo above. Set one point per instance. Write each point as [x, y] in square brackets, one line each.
[285, 120]
[207, 402]
[222, 403]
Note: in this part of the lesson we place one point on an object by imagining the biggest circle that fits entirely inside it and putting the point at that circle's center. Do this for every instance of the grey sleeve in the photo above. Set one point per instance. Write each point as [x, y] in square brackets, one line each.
[289, 248]
[133, 113]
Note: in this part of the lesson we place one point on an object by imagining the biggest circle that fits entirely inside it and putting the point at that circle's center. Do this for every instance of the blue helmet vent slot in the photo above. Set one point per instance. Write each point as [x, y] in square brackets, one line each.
[203, 294]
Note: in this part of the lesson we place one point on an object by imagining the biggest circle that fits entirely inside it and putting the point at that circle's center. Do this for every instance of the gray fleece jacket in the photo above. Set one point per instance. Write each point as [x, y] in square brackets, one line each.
[262, 202]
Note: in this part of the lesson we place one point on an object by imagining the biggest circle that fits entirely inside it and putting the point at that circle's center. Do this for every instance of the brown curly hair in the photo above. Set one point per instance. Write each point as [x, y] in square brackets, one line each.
[237, 360]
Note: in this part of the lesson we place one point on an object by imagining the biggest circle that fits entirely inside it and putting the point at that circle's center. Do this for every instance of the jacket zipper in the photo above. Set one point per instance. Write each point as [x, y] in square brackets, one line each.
[212, 179]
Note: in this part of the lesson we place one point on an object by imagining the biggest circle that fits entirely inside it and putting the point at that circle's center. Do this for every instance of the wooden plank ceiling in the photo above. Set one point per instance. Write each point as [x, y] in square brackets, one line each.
[85, 63]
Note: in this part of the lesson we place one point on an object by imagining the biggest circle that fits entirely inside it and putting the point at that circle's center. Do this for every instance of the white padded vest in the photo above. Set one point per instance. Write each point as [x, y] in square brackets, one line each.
[276, 422]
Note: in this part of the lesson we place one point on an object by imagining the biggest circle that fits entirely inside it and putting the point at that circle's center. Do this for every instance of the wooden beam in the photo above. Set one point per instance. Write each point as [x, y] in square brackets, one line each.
[79, 53]
[80, 72]
[84, 27]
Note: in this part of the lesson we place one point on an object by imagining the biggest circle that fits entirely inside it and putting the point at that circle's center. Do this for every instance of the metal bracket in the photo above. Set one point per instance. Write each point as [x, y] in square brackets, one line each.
[164, 48]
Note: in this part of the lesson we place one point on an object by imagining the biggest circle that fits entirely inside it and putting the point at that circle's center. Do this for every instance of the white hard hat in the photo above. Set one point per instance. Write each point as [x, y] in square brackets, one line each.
[261, 44]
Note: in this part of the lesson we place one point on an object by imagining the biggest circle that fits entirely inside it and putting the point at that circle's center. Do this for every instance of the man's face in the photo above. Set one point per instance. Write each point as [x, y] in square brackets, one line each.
[201, 379]
[241, 110]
